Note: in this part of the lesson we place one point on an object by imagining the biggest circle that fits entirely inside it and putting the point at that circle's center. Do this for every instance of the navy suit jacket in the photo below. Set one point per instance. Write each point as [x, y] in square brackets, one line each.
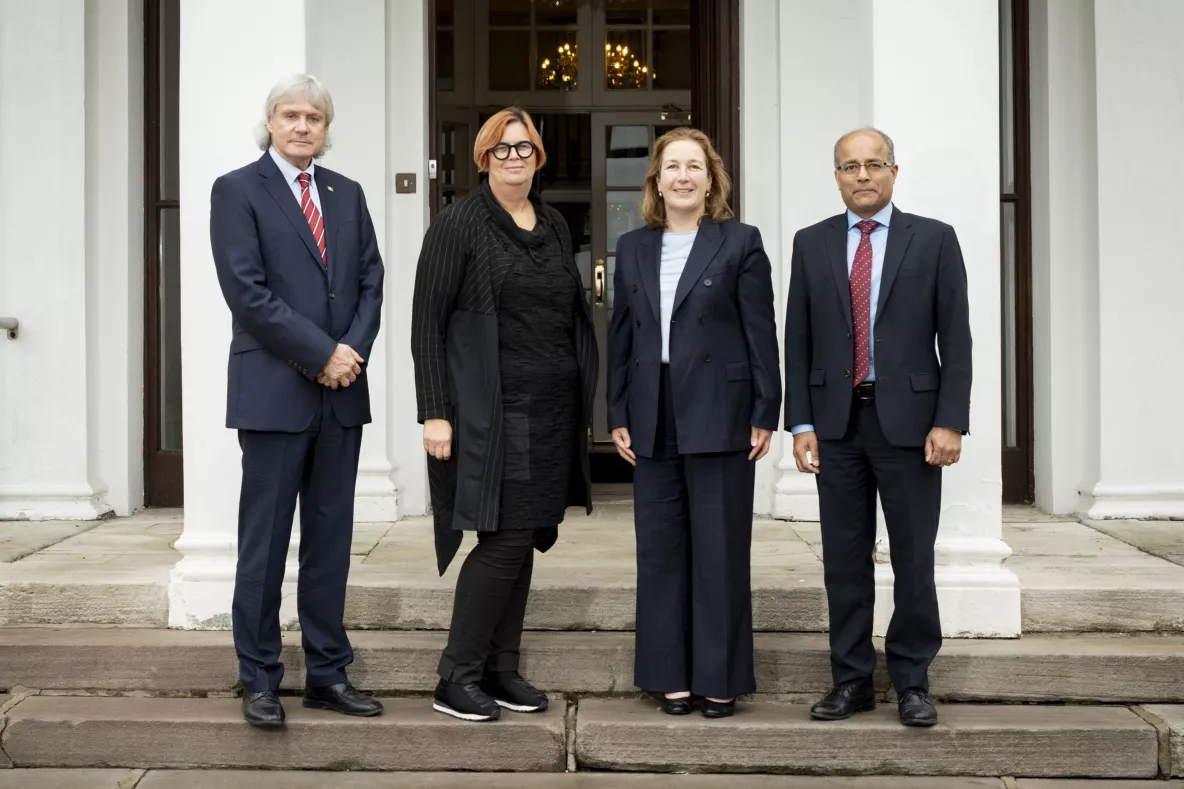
[922, 332]
[289, 311]
[725, 365]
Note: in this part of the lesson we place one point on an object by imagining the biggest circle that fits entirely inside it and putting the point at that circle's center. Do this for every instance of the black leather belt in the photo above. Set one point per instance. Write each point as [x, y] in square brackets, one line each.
[866, 391]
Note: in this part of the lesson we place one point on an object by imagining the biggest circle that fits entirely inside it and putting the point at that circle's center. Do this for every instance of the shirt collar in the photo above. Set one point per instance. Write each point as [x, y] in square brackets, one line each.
[288, 169]
[884, 217]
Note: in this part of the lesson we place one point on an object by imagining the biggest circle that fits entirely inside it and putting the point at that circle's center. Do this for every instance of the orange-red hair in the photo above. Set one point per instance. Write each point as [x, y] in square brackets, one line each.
[493, 129]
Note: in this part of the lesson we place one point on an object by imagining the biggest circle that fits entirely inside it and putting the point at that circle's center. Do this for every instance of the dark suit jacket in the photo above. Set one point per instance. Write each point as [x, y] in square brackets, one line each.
[724, 361]
[289, 311]
[922, 299]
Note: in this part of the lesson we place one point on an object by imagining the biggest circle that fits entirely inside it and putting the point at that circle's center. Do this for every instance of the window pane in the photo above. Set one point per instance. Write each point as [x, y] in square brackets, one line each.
[567, 139]
[623, 211]
[627, 156]
[556, 12]
[170, 328]
[1008, 283]
[625, 65]
[626, 12]
[445, 60]
[170, 50]
[503, 13]
[558, 55]
[672, 12]
[445, 13]
[509, 60]
[1006, 100]
[672, 60]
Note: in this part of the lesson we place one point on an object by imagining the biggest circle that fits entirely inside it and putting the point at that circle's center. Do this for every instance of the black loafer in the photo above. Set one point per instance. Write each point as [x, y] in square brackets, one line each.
[681, 706]
[916, 709]
[718, 709]
[263, 709]
[845, 700]
[344, 698]
[511, 691]
[466, 702]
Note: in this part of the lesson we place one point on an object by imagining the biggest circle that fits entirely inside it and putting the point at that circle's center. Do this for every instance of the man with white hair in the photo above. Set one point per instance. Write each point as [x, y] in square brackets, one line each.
[299, 266]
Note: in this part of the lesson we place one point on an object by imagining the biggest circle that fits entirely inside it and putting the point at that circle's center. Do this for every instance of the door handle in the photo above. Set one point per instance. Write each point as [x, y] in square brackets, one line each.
[599, 279]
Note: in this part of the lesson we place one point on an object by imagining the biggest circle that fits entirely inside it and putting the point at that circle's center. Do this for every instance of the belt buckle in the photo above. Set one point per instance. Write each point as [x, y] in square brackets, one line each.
[866, 391]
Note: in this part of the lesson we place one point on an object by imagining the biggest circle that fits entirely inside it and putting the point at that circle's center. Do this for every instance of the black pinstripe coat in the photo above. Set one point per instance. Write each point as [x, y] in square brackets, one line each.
[454, 344]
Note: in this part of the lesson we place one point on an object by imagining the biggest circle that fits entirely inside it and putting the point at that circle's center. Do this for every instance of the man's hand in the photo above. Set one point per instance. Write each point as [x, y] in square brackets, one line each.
[437, 438]
[943, 447]
[343, 368]
[760, 441]
[805, 452]
[623, 443]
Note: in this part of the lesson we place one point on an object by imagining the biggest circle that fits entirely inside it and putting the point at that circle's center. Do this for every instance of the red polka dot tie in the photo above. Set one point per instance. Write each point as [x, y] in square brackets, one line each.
[861, 299]
[312, 215]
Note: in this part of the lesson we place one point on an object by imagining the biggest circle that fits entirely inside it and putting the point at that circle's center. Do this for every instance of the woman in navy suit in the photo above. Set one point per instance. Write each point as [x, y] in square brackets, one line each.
[694, 397]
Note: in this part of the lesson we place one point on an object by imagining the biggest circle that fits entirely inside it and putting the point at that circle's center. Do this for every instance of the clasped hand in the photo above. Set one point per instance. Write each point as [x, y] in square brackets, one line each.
[343, 368]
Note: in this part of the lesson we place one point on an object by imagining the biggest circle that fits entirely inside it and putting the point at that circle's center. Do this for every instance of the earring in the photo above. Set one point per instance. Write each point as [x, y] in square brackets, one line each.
[659, 193]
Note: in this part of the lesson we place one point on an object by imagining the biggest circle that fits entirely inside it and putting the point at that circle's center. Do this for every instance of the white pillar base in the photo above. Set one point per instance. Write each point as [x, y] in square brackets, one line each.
[51, 504]
[795, 496]
[375, 498]
[978, 596]
[1138, 502]
[201, 587]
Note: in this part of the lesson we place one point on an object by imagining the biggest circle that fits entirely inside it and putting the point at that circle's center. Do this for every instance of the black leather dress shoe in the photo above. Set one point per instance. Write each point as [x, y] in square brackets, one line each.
[344, 698]
[718, 709]
[916, 709]
[845, 700]
[263, 709]
[681, 706]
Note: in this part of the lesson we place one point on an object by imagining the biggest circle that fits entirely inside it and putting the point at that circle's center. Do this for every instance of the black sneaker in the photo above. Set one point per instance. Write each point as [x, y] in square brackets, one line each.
[514, 693]
[467, 702]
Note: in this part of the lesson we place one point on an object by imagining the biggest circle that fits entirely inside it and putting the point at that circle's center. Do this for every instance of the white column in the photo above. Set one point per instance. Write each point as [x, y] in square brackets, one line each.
[1141, 268]
[936, 93]
[1064, 253]
[231, 55]
[48, 440]
[347, 52]
[406, 221]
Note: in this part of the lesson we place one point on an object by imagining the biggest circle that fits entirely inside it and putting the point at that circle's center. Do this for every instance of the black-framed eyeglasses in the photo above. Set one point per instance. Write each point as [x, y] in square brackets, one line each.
[502, 150]
[851, 169]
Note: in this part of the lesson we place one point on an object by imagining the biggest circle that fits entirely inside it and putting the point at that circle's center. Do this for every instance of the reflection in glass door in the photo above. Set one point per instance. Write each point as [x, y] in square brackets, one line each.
[621, 144]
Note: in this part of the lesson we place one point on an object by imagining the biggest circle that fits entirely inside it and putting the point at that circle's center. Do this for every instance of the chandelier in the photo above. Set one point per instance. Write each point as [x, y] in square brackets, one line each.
[623, 70]
[560, 73]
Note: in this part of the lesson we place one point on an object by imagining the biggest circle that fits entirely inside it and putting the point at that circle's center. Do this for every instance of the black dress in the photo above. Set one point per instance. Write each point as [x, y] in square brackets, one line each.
[540, 376]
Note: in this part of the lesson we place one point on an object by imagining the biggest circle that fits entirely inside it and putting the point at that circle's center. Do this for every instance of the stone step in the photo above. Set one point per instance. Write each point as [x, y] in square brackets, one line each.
[1082, 668]
[73, 731]
[51, 778]
[602, 734]
[1033, 741]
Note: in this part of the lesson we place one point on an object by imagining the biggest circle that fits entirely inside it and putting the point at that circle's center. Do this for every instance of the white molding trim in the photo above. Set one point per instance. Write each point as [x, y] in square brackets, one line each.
[1137, 502]
[51, 503]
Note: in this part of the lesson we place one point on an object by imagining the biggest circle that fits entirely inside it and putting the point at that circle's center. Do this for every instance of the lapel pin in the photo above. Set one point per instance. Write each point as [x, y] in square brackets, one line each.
[330, 189]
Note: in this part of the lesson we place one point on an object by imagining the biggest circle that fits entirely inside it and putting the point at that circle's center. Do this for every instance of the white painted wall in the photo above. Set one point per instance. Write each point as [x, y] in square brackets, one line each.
[1064, 253]
[1140, 106]
[48, 274]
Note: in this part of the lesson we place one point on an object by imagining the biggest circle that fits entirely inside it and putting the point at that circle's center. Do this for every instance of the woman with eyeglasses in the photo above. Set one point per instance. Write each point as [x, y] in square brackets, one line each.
[505, 373]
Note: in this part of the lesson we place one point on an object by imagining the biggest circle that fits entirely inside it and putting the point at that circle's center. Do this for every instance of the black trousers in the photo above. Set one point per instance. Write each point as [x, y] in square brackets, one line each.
[320, 466]
[852, 470]
[490, 606]
[693, 518]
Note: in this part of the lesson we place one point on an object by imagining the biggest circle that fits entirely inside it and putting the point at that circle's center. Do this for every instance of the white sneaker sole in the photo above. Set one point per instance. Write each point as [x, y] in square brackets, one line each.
[519, 707]
[464, 716]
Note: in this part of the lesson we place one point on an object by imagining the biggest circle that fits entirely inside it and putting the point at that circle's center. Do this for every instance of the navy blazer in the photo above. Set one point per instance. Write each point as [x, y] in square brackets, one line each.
[725, 365]
[923, 341]
[289, 311]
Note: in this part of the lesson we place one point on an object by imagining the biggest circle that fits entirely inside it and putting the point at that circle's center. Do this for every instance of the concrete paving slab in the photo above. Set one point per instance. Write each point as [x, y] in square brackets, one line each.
[69, 779]
[151, 733]
[1078, 783]
[1173, 717]
[1104, 742]
[18, 539]
[1164, 539]
[1019, 513]
[230, 779]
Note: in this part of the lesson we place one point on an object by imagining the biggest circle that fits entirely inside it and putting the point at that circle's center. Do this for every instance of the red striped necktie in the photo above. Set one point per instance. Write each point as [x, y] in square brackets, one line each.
[312, 215]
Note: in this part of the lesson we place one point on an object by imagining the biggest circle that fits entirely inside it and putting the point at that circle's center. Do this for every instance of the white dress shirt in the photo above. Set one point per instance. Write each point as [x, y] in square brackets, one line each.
[290, 173]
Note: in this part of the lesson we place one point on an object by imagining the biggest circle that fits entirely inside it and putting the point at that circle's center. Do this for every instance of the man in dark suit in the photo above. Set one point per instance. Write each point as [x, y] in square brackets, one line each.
[299, 266]
[873, 407]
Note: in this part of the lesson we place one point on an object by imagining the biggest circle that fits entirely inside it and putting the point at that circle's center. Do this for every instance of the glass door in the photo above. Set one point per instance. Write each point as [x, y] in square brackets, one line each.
[621, 145]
